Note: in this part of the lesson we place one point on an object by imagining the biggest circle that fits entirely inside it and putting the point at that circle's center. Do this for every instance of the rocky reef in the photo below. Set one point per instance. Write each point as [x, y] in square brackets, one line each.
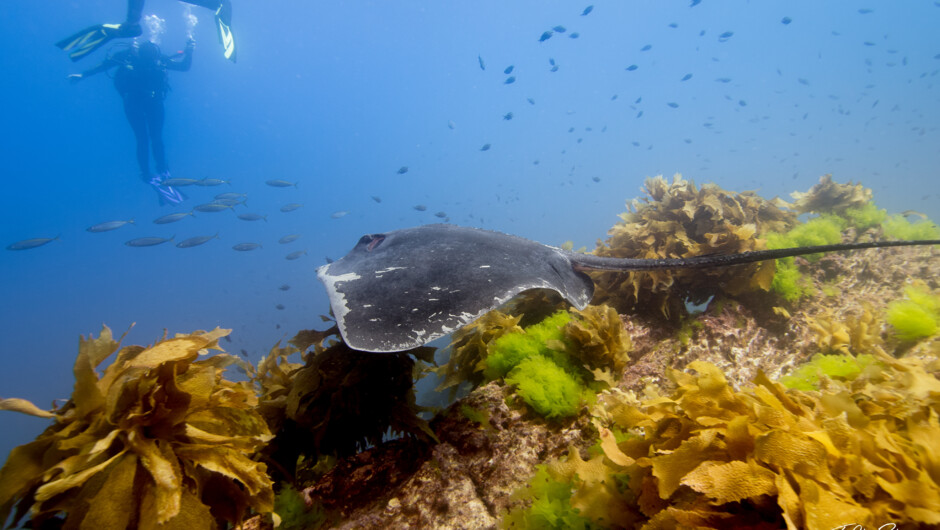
[804, 395]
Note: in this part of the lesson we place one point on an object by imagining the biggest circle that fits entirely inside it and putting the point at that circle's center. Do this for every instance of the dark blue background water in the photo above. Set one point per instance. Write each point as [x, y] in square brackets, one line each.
[339, 95]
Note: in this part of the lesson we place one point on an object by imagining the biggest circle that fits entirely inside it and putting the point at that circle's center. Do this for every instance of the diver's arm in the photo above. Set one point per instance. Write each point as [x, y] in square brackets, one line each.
[110, 62]
[183, 64]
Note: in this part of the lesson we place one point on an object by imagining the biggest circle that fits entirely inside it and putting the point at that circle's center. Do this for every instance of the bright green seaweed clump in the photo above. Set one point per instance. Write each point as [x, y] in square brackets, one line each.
[788, 282]
[546, 387]
[916, 317]
[898, 227]
[550, 505]
[843, 367]
[865, 216]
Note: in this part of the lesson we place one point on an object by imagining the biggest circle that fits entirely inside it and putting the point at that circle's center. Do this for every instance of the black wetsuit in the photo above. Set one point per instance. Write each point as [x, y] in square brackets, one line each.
[142, 83]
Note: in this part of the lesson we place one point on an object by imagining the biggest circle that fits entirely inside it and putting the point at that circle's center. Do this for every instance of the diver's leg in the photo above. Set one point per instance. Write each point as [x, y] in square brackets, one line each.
[210, 4]
[155, 115]
[135, 8]
[136, 118]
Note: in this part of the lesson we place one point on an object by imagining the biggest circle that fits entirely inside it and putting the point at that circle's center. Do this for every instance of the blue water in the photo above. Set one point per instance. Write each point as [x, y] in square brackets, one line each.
[339, 95]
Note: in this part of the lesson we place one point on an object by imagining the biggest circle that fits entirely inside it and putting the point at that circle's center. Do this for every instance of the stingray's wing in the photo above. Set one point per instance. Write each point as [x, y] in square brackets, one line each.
[405, 288]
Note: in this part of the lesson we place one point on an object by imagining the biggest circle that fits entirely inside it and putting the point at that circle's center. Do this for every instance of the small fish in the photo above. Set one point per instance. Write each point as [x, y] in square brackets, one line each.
[545, 36]
[284, 287]
[742, 103]
[451, 125]
[178, 183]
[632, 67]
[786, 20]
[246, 246]
[279, 307]
[109, 225]
[507, 116]
[554, 69]
[596, 179]
[865, 11]
[278, 183]
[230, 202]
[147, 241]
[252, 217]
[482, 64]
[402, 170]
[559, 29]
[289, 239]
[646, 48]
[574, 35]
[639, 114]
[695, 3]
[230, 196]
[420, 207]
[673, 104]
[530, 100]
[171, 218]
[614, 97]
[376, 198]
[339, 214]
[486, 147]
[508, 69]
[510, 80]
[212, 207]
[440, 215]
[295, 255]
[723, 79]
[551, 61]
[587, 10]
[725, 36]
[291, 207]
[673, 25]
[196, 241]
[227, 338]
[27, 244]
[686, 77]
[244, 352]
[212, 182]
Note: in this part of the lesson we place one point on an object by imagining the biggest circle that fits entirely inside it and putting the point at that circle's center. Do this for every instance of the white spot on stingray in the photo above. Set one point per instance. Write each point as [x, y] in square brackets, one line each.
[484, 266]
[390, 269]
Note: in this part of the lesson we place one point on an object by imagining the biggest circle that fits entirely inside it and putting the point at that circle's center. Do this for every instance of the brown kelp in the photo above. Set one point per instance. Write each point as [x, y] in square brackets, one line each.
[677, 220]
[160, 437]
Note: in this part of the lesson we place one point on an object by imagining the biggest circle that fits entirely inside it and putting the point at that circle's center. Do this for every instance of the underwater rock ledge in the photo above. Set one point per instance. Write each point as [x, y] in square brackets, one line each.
[468, 479]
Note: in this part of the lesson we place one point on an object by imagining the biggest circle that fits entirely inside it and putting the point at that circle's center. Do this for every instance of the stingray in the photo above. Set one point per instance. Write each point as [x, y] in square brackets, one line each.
[402, 289]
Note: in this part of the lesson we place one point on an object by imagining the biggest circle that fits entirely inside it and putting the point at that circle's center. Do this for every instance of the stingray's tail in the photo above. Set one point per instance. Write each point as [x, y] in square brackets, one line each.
[587, 262]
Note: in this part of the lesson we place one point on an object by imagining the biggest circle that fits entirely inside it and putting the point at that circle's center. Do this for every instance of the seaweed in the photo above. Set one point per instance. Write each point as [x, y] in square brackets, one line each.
[160, 437]
[898, 227]
[828, 197]
[862, 448]
[917, 316]
[680, 220]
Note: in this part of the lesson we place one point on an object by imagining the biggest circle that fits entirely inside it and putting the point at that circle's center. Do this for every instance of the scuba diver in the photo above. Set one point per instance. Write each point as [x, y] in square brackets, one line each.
[90, 39]
[141, 79]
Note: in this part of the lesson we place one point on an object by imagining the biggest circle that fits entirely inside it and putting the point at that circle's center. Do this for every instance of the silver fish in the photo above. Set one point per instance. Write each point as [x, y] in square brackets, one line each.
[110, 225]
[171, 218]
[291, 207]
[196, 241]
[339, 214]
[212, 182]
[278, 183]
[376, 198]
[27, 244]
[212, 207]
[246, 246]
[295, 255]
[177, 183]
[420, 207]
[402, 170]
[148, 241]
[440, 215]
[230, 202]
[252, 217]
[289, 239]
[230, 196]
